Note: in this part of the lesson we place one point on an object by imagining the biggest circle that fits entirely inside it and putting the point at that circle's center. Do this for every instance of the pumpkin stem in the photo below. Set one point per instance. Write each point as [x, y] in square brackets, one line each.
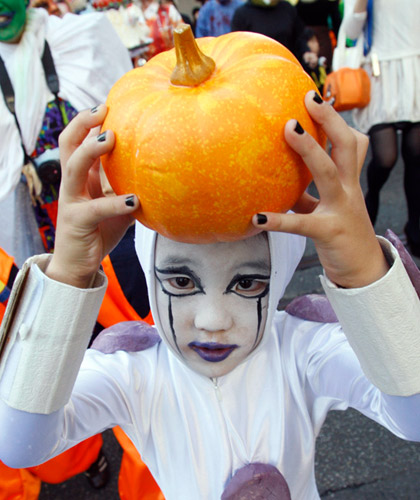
[192, 66]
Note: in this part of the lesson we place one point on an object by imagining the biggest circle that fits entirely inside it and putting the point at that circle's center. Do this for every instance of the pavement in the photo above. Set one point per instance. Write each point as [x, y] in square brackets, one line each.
[356, 458]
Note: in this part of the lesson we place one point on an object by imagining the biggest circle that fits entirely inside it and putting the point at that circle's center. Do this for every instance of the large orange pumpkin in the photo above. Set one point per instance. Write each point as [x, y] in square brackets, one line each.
[202, 145]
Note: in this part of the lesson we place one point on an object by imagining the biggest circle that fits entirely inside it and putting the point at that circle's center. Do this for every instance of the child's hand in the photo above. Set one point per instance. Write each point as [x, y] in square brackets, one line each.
[89, 225]
[338, 222]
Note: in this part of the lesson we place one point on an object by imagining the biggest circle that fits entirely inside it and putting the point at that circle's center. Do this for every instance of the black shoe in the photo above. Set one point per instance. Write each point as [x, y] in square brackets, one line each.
[98, 472]
[413, 245]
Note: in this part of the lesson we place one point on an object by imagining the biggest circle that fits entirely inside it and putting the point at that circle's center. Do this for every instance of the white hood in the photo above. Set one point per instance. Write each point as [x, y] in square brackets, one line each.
[286, 251]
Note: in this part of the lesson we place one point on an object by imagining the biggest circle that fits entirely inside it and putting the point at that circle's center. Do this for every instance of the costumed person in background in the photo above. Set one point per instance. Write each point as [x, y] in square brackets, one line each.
[215, 17]
[319, 72]
[81, 49]
[323, 17]
[189, 393]
[53, 8]
[278, 20]
[391, 38]
[161, 18]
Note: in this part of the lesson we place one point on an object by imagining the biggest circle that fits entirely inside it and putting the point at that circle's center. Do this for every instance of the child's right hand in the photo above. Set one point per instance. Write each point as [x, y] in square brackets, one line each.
[89, 225]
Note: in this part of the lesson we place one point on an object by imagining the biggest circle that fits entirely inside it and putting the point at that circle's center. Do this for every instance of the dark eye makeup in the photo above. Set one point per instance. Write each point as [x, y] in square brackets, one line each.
[178, 281]
[249, 286]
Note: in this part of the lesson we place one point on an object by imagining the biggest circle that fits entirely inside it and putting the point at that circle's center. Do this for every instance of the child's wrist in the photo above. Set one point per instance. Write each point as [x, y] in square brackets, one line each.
[371, 271]
[60, 273]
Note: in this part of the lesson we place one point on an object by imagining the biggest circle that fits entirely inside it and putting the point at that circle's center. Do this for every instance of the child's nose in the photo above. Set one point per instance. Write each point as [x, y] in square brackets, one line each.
[213, 315]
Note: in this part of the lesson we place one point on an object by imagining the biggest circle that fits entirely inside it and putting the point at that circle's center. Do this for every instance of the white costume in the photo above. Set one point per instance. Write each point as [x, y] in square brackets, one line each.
[89, 58]
[395, 95]
[194, 432]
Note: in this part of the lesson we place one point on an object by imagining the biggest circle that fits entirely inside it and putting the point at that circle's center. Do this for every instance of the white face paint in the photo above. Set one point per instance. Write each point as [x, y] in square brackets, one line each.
[212, 300]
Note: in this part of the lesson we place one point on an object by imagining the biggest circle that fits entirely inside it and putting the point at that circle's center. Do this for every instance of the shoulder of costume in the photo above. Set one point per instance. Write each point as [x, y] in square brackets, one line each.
[130, 336]
[312, 307]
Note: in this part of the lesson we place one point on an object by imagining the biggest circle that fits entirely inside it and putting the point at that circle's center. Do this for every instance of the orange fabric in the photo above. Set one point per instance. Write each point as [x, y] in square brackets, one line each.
[71, 462]
[135, 481]
[333, 39]
[18, 484]
[6, 263]
[115, 307]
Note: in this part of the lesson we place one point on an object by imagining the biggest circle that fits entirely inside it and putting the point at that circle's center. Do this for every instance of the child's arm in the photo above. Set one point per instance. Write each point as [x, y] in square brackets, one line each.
[365, 281]
[355, 18]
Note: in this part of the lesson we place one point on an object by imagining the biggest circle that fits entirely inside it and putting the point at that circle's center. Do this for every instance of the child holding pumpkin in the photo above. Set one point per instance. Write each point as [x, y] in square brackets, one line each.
[234, 390]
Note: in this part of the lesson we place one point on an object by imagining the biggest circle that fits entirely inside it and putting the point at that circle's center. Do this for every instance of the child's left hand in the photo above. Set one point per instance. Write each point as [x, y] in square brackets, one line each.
[338, 223]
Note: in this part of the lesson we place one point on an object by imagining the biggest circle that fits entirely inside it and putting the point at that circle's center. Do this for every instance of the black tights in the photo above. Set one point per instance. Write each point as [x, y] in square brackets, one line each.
[384, 146]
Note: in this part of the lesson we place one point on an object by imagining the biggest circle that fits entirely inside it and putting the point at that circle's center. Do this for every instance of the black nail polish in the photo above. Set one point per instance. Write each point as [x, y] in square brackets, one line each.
[261, 219]
[129, 201]
[318, 99]
[94, 109]
[298, 128]
[101, 137]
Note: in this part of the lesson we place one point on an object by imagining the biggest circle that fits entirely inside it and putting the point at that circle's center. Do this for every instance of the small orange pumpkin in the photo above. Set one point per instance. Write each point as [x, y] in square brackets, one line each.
[202, 145]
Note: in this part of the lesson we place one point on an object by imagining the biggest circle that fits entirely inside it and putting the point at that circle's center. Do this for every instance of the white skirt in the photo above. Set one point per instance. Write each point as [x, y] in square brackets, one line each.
[395, 94]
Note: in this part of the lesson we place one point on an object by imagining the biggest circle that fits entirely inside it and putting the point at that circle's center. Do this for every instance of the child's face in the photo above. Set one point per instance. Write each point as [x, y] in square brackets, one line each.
[313, 44]
[212, 300]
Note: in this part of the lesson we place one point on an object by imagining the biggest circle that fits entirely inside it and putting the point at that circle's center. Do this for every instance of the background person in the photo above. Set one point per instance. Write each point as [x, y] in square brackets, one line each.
[215, 16]
[392, 45]
[278, 20]
[82, 48]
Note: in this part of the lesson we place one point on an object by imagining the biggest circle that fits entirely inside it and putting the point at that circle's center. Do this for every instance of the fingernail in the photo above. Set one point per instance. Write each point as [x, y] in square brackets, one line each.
[261, 219]
[94, 110]
[318, 99]
[101, 137]
[298, 128]
[129, 201]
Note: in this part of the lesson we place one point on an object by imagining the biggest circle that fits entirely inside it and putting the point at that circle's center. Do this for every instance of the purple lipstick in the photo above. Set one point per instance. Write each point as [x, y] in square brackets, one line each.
[212, 351]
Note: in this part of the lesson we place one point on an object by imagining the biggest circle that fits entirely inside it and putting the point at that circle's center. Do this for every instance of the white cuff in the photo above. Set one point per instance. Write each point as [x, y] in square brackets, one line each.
[382, 324]
[43, 350]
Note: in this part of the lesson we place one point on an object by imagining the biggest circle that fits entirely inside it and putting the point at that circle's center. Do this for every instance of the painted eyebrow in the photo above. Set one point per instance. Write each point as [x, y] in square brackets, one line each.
[257, 265]
[176, 260]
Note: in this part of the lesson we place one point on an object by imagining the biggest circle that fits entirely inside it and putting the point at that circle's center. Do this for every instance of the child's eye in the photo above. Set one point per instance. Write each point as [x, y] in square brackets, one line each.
[181, 283]
[247, 284]
[250, 287]
[178, 281]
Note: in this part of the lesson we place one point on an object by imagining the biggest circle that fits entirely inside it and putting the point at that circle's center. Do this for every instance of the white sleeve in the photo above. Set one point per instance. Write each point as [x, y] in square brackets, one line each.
[45, 332]
[97, 403]
[382, 324]
[336, 382]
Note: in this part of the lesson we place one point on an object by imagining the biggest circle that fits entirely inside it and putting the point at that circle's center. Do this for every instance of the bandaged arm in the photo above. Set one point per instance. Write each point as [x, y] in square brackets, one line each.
[382, 324]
